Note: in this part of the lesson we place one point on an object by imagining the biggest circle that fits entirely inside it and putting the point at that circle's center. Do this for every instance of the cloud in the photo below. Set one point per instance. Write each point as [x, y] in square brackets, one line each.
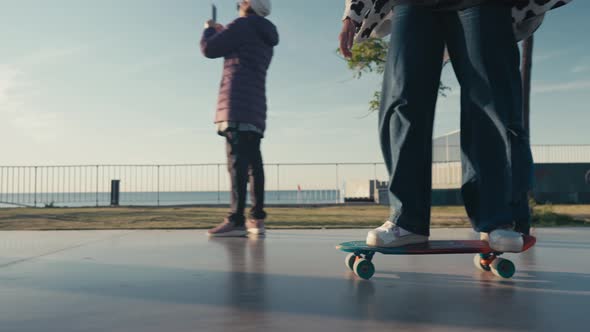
[580, 69]
[176, 132]
[304, 115]
[18, 109]
[543, 57]
[560, 87]
[18, 112]
[40, 126]
[148, 64]
[11, 80]
[14, 81]
[48, 55]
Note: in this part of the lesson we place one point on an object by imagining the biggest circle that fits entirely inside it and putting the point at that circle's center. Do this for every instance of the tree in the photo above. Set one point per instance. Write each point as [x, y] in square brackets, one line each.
[370, 57]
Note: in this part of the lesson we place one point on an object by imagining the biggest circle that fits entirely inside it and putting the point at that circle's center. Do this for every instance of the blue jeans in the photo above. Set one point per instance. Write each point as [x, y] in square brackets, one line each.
[496, 155]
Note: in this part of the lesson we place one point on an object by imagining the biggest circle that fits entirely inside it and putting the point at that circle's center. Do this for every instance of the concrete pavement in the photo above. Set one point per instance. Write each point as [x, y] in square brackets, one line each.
[288, 281]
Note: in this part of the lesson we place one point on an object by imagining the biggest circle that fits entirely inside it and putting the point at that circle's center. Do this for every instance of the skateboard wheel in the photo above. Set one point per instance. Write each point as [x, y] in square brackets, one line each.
[479, 265]
[364, 269]
[349, 261]
[503, 268]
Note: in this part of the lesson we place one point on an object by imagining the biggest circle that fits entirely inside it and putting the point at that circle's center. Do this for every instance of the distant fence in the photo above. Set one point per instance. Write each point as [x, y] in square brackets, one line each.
[199, 184]
[443, 153]
[90, 185]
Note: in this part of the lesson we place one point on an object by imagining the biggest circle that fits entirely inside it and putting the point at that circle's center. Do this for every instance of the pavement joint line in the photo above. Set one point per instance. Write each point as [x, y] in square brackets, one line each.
[79, 245]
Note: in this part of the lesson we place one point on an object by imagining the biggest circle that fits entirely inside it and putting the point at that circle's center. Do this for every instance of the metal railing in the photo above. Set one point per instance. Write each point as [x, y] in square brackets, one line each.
[542, 153]
[89, 185]
[196, 184]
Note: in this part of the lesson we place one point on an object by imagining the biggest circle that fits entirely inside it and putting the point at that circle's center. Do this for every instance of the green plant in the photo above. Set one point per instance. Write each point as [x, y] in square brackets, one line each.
[370, 57]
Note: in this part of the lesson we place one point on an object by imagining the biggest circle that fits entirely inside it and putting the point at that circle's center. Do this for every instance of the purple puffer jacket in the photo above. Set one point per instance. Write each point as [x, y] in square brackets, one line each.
[247, 46]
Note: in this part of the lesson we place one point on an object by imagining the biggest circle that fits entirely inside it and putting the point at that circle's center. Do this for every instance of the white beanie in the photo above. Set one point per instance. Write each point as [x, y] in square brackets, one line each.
[261, 7]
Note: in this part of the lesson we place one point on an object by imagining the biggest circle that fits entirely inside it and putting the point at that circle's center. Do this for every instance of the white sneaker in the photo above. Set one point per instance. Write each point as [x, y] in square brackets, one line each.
[504, 240]
[390, 235]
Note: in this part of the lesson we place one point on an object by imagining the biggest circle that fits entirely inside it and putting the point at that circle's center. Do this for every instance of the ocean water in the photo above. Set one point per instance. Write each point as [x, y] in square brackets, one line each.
[164, 198]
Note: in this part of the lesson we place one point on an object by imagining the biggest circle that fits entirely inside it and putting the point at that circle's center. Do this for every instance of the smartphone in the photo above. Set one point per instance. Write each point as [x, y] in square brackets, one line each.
[214, 13]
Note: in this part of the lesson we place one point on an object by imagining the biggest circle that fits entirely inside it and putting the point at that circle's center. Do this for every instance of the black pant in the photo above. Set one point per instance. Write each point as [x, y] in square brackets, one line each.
[244, 161]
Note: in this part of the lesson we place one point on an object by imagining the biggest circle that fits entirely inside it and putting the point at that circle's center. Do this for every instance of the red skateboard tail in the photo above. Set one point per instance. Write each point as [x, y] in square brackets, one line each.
[529, 242]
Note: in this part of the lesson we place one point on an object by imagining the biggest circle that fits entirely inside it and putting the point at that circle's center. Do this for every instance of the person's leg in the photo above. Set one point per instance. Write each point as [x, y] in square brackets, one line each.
[406, 116]
[496, 156]
[237, 164]
[521, 212]
[257, 214]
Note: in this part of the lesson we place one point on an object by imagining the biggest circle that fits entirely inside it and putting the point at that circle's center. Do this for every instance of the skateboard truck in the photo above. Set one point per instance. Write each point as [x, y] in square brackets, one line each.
[493, 262]
[361, 266]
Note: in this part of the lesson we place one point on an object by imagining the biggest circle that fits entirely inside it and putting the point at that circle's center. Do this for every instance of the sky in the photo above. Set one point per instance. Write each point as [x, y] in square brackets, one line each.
[124, 82]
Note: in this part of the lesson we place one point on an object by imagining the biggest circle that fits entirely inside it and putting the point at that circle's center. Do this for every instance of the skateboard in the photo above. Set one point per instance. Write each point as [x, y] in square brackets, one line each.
[486, 259]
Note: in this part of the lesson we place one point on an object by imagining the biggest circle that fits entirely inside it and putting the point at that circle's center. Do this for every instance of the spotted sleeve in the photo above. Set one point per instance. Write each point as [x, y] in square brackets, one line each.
[357, 9]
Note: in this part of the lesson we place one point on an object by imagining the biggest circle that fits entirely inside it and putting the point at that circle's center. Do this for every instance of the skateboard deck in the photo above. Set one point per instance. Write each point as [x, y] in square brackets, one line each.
[360, 258]
[435, 247]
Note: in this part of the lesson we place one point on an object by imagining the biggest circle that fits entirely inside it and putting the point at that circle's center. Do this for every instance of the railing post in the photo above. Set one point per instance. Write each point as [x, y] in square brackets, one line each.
[97, 179]
[278, 184]
[115, 192]
[337, 185]
[158, 185]
[218, 183]
[35, 188]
